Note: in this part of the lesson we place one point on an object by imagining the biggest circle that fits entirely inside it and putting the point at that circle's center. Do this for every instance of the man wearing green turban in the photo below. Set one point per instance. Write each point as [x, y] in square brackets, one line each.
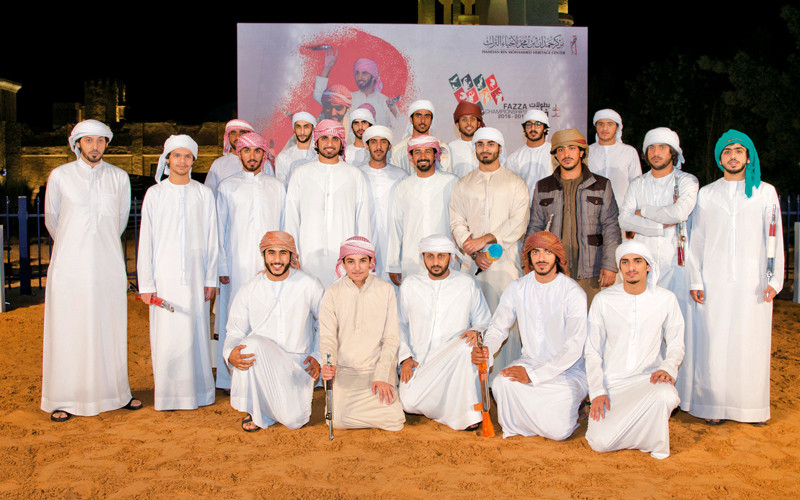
[732, 288]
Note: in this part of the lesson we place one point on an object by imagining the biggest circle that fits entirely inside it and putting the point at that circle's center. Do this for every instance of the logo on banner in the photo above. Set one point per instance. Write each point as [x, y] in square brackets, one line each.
[526, 44]
[573, 46]
[477, 90]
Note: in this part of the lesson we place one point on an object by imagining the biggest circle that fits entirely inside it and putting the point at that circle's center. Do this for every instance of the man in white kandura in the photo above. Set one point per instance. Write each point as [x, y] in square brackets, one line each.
[438, 310]
[540, 393]
[468, 118]
[658, 216]
[420, 208]
[631, 383]
[730, 248]
[358, 327]
[228, 164]
[273, 339]
[421, 121]
[382, 180]
[360, 120]
[248, 204]
[609, 157]
[178, 256]
[298, 149]
[532, 161]
[86, 208]
[327, 201]
[490, 205]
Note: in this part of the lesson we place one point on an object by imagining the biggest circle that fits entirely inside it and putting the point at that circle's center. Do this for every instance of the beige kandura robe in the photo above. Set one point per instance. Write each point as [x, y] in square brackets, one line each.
[360, 330]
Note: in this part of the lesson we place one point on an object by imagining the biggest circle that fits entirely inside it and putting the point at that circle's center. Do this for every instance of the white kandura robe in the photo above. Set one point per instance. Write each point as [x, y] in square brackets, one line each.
[623, 349]
[463, 159]
[734, 326]
[552, 325]
[85, 355]
[178, 258]
[433, 315]
[497, 203]
[289, 159]
[400, 157]
[356, 156]
[325, 205]
[247, 207]
[383, 115]
[381, 184]
[278, 321]
[655, 198]
[532, 164]
[619, 163]
[420, 208]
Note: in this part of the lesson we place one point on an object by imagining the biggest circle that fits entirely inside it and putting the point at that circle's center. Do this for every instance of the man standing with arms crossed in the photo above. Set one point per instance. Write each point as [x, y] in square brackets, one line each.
[86, 208]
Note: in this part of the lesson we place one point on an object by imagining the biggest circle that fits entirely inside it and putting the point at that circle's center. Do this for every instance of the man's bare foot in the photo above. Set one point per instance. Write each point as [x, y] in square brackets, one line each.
[248, 425]
[714, 421]
[134, 404]
[60, 416]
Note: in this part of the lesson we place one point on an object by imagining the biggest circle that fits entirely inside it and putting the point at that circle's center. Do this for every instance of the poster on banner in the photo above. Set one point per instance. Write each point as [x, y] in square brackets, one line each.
[507, 70]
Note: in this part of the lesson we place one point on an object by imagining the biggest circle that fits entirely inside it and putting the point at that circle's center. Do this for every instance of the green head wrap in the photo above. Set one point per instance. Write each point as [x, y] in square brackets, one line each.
[752, 173]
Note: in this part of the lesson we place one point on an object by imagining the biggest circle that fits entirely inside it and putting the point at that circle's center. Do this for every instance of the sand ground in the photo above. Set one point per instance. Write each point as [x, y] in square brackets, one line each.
[204, 453]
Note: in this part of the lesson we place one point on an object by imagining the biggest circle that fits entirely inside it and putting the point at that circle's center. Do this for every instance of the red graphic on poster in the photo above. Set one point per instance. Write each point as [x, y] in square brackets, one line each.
[460, 95]
[351, 44]
[472, 95]
[497, 95]
[492, 83]
[486, 95]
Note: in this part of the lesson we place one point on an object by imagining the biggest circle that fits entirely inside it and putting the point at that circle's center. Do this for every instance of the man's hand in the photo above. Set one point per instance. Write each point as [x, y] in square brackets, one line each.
[328, 372]
[480, 355]
[239, 360]
[483, 261]
[396, 278]
[210, 291]
[330, 62]
[661, 377]
[473, 245]
[407, 369]
[769, 294]
[147, 298]
[392, 107]
[698, 296]
[517, 374]
[225, 280]
[313, 367]
[607, 278]
[384, 391]
[600, 405]
[471, 336]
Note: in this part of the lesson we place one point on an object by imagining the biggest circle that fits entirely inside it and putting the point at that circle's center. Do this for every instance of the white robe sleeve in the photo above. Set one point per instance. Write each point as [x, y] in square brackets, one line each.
[223, 225]
[673, 329]
[212, 180]
[320, 84]
[316, 301]
[697, 242]
[776, 282]
[514, 227]
[629, 221]
[395, 250]
[593, 350]
[212, 241]
[124, 203]
[144, 266]
[238, 326]
[292, 211]
[479, 314]
[458, 220]
[52, 204]
[502, 321]
[402, 318]
[362, 207]
[678, 211]
[572, 350]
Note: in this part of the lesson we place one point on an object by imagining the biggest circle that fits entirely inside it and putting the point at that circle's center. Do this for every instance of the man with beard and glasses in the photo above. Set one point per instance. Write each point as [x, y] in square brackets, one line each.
[732, 288]
[273, 339]
[609, 157]
[228, 164]
[298, 150]
[634, 345]
[540, 393]
[490, 205]
[248, 204]
[326, 202]
[382, 180]
[653, 211]
[421, 121]
[438, 310]
[468, 118]
[419, 209]
[178, 262]
[532, 160]
[360, 120]
[583, 212]
[368, 81]
[85, 355]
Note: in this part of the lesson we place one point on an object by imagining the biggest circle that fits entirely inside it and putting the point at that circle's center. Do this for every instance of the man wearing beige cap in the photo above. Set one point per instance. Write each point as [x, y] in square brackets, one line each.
[582, 210]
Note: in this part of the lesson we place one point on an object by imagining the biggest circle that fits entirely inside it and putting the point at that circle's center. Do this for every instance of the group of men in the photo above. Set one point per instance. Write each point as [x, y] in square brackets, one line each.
[381, 276]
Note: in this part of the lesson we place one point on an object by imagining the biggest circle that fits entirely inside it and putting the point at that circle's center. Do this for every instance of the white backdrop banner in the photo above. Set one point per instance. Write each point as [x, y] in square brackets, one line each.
[507, 70]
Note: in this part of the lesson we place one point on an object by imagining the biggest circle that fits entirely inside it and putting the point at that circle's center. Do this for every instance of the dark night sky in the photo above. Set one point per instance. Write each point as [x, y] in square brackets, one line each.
[182, 67]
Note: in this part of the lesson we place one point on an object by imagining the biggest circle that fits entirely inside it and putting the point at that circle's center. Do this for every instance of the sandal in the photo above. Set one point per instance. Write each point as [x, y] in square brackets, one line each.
[129, 406]
[718, 422]
[60, 419]
[249, 420]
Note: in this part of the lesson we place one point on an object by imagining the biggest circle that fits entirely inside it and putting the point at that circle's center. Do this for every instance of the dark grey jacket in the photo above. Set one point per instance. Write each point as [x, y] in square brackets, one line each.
[598, 219]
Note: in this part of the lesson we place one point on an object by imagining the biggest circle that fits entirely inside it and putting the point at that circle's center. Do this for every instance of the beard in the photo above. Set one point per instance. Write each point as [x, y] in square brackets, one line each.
[491, 159]
[92, 156]
[278, 275]
[546, 271]
[734, 172]
[364, 84]
[424, 165]
[302, 139]
[532, 136]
